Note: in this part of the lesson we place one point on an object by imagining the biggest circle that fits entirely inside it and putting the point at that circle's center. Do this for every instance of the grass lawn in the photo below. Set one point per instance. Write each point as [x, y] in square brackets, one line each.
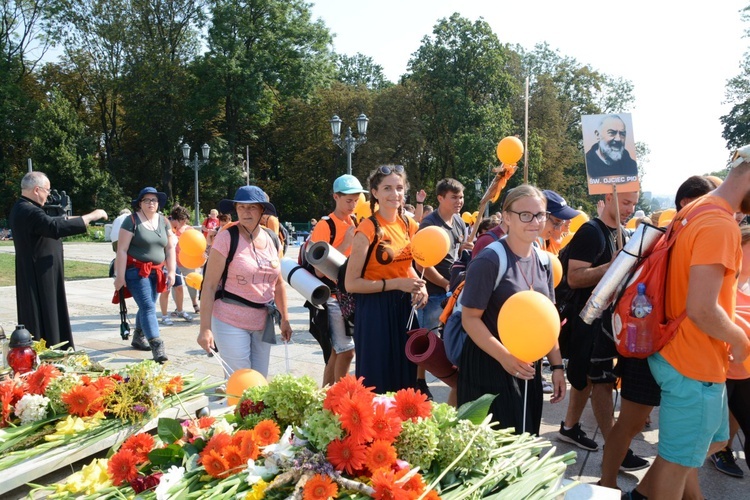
[74, 270]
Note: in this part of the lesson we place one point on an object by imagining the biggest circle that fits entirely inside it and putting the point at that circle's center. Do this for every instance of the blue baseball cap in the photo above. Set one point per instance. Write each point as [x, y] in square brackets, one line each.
[347, 184]
[558, 207]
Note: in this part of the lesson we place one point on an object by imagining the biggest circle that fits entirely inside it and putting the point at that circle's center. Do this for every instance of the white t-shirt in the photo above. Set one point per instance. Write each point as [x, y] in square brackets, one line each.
[114, 235]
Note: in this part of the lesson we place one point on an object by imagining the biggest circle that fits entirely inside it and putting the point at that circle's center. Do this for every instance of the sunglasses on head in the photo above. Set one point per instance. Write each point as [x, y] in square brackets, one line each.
[389, 169]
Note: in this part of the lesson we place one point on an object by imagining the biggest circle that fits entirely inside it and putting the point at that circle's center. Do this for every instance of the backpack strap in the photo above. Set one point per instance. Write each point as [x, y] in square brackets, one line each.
[274, 237]
[502, 257]
[332, 229]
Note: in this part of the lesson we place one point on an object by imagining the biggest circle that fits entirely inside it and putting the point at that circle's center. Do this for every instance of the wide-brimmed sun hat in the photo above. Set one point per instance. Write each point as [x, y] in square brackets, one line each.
[247, 194]
[162, 197]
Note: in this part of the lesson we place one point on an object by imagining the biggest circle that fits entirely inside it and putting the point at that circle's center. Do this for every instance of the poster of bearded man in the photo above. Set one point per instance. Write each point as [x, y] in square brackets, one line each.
[610, 153]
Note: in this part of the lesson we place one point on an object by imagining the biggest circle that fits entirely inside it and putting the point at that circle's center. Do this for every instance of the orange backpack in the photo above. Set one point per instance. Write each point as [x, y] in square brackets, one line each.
[642, 337]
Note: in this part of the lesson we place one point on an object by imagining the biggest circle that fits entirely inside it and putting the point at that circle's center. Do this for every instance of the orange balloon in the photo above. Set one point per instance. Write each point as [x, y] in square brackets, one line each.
[666, 217]
[466, 217]
[190, 261]
[578, 221]
[528, 324]
[430, 245]
[509, 150]
[566, 239]
[362, 210]
[194, 280]
[240, 380]
[631, 223]
[557, 270]
[192, 242]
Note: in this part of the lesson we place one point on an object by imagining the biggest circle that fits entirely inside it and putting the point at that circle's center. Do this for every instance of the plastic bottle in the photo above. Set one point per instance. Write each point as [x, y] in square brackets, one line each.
[640, 308]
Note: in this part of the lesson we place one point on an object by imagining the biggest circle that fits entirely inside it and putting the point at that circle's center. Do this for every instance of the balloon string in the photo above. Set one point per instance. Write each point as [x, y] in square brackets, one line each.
[525, 390]
[224, 365]
[286, 355]
[413, 309]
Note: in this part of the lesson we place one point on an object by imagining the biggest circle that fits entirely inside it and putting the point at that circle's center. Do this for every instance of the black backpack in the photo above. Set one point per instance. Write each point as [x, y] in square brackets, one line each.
[302, 256]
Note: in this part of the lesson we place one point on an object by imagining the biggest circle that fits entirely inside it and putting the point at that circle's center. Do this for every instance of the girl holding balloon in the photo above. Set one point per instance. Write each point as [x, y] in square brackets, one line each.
[384, 284]
[488, 365]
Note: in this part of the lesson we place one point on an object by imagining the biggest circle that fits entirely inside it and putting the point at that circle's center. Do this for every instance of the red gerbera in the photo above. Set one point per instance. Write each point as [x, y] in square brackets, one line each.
[247, 442]
[385, 486]
[140, 444]
[385, 423]
[319, 487]
[82, 400]
[346, 386]
[10, 392]
[235, 462]
[206, 422]
[267, 432]
[411, 404]
[39, 379]
[380, 455]
[174, 385]
[356, 418]
[346, 454]
[122, 467]
[214, 464]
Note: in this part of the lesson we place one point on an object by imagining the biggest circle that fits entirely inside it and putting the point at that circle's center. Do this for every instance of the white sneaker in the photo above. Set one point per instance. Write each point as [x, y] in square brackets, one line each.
[184, 315]
[165, 320]
[547, 387]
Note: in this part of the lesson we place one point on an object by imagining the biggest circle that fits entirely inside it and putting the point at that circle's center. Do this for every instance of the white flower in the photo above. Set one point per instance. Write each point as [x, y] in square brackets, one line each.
[221, 425]
[282, 449]
[31, 407]
[256, 472]
[170, 478]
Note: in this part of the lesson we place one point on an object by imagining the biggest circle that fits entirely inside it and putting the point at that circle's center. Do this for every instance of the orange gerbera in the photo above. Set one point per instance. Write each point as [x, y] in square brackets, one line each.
[346, 386]
[319, 487]
[39, 379]
[215, 464]
[267, 432]
[411, 404]
[247, 442]
[380, 454]
[414, 484]
[432, 495]
[386, 488]
[386, 423]
[140, 444]
[356, 418]
[10, 392]
[234, 459]
[206, 422]
[122, 467]
[346, 454]
[105, 385]
[174, 385]
[217, 443]
[82, 400]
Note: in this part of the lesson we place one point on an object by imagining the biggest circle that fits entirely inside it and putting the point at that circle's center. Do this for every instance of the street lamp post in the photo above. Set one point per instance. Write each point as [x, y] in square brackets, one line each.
[196, 165]
[349, 143]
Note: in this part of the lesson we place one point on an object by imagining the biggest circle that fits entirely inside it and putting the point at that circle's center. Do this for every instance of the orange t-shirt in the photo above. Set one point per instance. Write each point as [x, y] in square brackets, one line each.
[737, 371]
[391, 258]
[322, 232]
[554, 246]
[713, 239]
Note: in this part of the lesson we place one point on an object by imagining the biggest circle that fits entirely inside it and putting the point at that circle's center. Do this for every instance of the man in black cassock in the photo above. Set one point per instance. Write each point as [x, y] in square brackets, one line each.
[40, 282]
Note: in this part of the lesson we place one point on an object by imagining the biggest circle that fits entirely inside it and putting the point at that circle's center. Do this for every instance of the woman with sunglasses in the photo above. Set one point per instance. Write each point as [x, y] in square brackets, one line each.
[145, 246]
[487, 367]
[385, 284]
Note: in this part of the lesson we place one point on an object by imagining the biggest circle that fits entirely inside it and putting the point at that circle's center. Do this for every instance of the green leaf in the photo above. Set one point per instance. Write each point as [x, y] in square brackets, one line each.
[476, 411]
[169, 430]
[163, 456]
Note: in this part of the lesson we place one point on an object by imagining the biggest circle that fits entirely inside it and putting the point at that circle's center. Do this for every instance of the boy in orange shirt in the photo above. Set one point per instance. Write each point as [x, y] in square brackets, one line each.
[339, 224]
[691, 370]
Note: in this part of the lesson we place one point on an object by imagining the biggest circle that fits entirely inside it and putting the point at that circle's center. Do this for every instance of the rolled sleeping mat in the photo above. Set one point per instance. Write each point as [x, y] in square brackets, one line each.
[307, 284]
[427, 350]
[325, 259]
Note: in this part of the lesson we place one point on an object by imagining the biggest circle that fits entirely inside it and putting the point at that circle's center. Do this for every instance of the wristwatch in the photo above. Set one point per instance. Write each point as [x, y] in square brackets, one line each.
[557, 367]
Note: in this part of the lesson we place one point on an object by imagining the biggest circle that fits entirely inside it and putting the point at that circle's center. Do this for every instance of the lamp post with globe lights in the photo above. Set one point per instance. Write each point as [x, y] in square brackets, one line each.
[349, 143]
[196, 165]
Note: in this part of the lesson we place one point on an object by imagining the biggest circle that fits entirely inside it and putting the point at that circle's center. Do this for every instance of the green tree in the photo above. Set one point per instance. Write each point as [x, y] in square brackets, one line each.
[737, 121]
[360, 69]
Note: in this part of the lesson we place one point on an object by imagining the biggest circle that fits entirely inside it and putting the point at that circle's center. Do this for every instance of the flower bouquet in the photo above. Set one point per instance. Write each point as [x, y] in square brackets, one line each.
[61, 407]
[290, 439]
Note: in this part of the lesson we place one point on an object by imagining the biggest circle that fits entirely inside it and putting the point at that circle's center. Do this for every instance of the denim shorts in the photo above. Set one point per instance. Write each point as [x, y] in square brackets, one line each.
[693, 414]
[340, 341]
[429, 315]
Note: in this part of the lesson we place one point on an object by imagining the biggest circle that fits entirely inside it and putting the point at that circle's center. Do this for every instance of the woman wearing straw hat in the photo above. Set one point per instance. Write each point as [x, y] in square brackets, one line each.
[144, 246]
[244, 294]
